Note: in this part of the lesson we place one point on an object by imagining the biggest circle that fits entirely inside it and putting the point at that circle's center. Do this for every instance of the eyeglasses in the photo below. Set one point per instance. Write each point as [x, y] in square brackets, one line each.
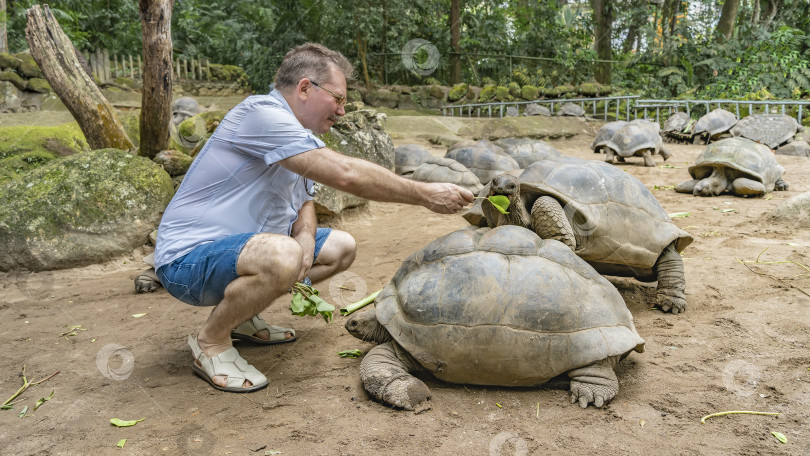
[341, 100]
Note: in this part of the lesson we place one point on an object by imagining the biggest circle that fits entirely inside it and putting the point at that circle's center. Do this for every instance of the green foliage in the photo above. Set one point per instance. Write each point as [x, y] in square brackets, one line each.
[458, 92]
[529, 93]
[487, 93]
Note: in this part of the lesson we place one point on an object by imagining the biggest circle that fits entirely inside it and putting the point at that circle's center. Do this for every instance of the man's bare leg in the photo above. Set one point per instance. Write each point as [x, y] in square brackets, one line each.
[268, 266]
[336, 255]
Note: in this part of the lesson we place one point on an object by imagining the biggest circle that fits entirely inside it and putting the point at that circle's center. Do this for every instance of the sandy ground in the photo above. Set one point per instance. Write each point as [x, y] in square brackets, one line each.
[741, 345]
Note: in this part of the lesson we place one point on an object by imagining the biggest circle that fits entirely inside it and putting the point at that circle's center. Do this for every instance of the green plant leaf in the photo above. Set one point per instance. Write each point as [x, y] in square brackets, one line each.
[42, 401]
[121, 443]
[779, 436]
[306, 302]
[679, 214]
[500, 202]
[24, 411]
[122, 423]
[350, 353]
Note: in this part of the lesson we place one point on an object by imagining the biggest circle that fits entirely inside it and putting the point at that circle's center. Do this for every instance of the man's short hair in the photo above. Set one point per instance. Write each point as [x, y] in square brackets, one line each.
[313, 61]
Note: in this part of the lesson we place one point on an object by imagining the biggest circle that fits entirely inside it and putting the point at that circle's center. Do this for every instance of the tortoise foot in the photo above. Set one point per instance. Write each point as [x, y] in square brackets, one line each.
[594, 384]
[407, 393]
[687, 186]
[674, 304]
[780, 185]
[747, 187]
[147, 282]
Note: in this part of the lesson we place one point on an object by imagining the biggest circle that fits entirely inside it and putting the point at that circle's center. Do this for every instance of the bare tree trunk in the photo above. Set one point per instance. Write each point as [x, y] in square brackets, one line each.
[3, 34]
[770, 13]
[755, 13]
[361, 52]
[603, 21]
[156, 101]
[725, 26]
[56, 57]
[455, 41]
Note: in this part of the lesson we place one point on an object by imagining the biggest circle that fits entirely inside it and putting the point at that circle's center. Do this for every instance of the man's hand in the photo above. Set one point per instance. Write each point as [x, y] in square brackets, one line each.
[446, 198]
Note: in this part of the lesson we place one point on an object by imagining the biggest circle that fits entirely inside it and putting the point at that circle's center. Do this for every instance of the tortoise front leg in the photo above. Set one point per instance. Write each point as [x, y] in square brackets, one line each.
[610, 155]
[665, 154]
[747, 187]
[780, 185]
[595, 383]
[687, 186]
[670, 295]
[549, 221]
[385, 374]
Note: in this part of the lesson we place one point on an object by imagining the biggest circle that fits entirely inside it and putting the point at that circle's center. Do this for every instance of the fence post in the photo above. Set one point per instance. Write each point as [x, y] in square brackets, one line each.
[131, 69]
[193, 69]
[105, 64]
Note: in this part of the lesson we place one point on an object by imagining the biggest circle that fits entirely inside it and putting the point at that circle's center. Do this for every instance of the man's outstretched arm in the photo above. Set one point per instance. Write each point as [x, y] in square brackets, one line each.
[371, 181]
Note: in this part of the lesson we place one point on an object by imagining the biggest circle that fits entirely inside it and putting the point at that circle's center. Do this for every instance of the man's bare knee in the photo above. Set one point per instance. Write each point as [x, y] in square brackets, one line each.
[271, 254]
[339, 250]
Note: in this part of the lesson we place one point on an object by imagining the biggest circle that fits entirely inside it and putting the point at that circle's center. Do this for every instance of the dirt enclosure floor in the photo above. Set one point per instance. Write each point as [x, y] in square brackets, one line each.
[741, 345]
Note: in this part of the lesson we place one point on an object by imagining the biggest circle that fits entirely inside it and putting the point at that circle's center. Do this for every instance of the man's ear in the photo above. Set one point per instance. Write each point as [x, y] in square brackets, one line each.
[303, 88]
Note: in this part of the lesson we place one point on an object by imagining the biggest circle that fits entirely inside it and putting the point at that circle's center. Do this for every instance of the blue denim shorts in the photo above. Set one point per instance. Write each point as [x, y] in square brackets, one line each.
[200, 277]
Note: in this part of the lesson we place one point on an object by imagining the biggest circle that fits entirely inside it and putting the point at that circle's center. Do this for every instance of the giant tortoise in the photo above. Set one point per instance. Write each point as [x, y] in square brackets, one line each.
[608, 217]
[604, 134]
[408, 156]
[639, 138]
[772, 130]
[734, 165]
[482, 158]
[439, 169]
[526, 151]
[495, 307]
[714, 124]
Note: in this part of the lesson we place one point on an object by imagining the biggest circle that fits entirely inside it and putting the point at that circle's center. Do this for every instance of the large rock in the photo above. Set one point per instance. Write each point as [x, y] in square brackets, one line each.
[28, 66]
[9, 61]
[174, 162]
[23, 148]
[14, 78]
[10, 97]
[358, 134]
[795, 211]
[80, 210]
[382, 98]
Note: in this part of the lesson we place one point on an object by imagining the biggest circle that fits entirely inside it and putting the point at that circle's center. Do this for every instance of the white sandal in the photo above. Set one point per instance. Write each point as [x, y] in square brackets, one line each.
[228, 363]
[248, 330]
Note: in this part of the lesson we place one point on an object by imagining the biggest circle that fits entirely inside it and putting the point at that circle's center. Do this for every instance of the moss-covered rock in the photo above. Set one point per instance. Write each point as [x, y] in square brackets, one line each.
[529, 93]
[382, 98]
[566, 90]
[353, 95]
[502, 93]
[10, 97]
[23, 148]
[487, 93]
[38, 85]
[131, 120]
[437, 92]
[358, 134]
[514, 89]
[458, 92]
[28, 66]
[80, 210]
[14, 78]
[9, 61]
[174, 162]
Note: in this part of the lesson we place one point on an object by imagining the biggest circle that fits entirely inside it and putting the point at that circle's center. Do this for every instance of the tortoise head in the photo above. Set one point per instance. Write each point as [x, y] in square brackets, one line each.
[506, 185]
[364, 326]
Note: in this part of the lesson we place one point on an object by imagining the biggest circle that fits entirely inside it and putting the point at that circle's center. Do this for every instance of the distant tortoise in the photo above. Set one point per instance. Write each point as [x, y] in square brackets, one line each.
[604, 134]
[407, 157]
[526, 151]
[772, 130]
[639, 138]
[735, 165]
[534, 109]
[795, 148]
[714, 124]
[571, 109]
[438, 169]
[607, 216]
[495, 307]
[183, 108]
[483, 158]
[677, 122]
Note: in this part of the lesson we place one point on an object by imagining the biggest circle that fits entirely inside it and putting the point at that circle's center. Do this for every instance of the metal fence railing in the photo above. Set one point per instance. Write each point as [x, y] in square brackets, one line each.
[639, 108]
[604, 105]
